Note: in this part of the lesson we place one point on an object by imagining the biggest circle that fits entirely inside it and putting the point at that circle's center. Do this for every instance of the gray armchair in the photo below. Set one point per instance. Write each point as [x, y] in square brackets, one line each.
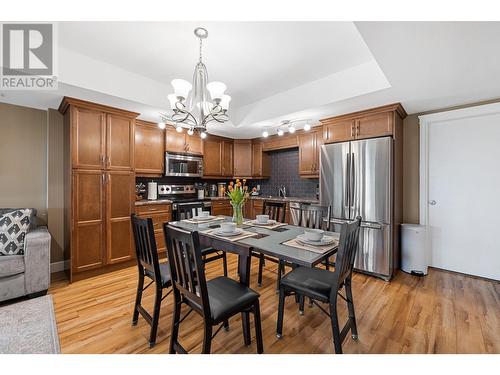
[28, 274]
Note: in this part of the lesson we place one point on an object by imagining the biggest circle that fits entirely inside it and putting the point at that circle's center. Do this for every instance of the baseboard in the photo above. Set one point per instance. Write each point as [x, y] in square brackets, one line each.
[59, 266]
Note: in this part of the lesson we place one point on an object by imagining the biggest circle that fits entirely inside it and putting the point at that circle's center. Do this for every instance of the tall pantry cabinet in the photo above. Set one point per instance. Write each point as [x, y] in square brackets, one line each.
[99, 186]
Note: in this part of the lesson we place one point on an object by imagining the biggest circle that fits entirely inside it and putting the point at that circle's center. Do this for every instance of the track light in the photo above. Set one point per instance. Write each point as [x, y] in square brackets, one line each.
[203, 135]
[280, 132]
[307, 127]
[190, 131]
[291, 129]
[265, 134]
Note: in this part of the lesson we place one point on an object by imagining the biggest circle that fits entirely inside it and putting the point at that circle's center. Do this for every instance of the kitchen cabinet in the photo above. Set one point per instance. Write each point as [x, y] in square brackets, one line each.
[242, 158]
[119, 197]
[279, 143]
[100, 186]
[375, 122]
[261, 166]
[309, 144]
[218, 159]
[183, 142]
[149, 149]
[222, 207]
[257, 207]
[159, 213]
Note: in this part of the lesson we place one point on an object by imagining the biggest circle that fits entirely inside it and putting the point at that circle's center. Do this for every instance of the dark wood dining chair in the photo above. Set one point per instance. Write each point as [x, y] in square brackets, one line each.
[277, 212]
[187, 211]
[215, 300]
[149, 266]
[324, 286]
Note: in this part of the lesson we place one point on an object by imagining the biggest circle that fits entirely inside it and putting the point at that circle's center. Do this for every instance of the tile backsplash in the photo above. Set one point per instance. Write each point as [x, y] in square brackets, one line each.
[285, 171]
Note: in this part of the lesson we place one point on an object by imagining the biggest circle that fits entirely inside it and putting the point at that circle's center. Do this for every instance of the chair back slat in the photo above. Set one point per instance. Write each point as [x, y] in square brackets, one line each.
[186, 266]
[145, 245]
[275, 210]
[188, 211]
[348, 246]
[314, 216]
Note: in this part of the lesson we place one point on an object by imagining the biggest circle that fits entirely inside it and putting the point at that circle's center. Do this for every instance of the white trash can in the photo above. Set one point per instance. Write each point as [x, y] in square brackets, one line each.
[414, 257]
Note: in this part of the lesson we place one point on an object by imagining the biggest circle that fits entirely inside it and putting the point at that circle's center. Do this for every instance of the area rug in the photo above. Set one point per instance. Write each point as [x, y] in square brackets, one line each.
[29, 327]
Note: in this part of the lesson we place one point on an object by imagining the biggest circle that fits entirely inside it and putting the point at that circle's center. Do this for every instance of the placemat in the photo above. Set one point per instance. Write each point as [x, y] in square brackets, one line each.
[243, 235]
[274, 226]
[202, 221]
[316, 249]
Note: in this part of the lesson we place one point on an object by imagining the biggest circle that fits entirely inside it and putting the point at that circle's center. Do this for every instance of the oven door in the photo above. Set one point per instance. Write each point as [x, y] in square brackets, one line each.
[183, 166]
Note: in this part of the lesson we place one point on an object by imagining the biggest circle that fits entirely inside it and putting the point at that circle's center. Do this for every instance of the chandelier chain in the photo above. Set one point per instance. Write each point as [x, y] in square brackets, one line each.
[201, 45]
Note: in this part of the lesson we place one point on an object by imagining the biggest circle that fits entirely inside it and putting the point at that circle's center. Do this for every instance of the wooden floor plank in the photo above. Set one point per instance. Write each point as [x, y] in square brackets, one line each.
[440, 313]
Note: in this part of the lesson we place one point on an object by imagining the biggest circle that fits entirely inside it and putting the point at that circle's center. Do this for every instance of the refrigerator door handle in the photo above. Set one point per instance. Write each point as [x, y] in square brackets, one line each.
[352, 187]
[346, 179]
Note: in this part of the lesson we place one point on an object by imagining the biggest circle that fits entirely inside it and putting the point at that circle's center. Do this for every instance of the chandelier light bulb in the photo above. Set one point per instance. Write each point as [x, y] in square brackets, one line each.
[172, 99]
[216, 90]
[291, 129]
[307, 127]
[265, 134]
[280, 132]
[162, 125]
[203, 135]
[181, 88]
[179, 129]
[190, 131]
[224, 102]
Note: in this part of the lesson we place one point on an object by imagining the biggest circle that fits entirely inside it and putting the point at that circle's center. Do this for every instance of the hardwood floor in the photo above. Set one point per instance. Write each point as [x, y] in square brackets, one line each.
[441, 313]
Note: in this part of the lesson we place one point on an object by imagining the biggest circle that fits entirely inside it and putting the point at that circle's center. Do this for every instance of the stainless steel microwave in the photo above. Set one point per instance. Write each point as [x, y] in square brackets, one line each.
[183, 165]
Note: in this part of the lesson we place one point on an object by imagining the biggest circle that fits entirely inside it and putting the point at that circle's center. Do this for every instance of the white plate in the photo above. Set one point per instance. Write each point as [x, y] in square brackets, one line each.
[325, 241]
[202, 218]
[219, 232]
[269, 223]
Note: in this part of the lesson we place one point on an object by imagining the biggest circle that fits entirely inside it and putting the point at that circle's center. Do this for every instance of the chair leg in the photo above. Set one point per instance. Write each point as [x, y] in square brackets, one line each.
[281, 311]
[176, 317]
[156, 316]
[226, 325]
[261, 268]
[350, 308]
[245, 323]
[327, 264]
[335, 327]
[207, 338]
[258, 328]
[224, 263]
[138, 298]
[301, 305]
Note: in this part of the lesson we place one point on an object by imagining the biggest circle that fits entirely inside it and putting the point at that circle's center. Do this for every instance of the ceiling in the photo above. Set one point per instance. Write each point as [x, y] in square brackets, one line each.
[277, 70]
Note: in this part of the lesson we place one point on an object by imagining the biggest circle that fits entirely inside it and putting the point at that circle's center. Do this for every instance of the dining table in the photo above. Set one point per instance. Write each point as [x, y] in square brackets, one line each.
[266, 240]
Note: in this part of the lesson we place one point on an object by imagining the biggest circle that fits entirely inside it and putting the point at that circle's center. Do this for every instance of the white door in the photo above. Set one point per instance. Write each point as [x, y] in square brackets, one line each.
[464, 192]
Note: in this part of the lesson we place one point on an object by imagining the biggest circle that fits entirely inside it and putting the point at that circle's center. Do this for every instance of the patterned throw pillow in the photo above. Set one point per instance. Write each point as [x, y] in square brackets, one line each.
[13, 228]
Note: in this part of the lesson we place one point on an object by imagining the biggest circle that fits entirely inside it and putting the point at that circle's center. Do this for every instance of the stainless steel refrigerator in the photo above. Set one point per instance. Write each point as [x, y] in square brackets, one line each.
[356, 180]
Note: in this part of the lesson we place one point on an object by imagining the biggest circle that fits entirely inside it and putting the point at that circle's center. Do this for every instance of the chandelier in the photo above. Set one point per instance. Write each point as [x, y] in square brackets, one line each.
[191, 108]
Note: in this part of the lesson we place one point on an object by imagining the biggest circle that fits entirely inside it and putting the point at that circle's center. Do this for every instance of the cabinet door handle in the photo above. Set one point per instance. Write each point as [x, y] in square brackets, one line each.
[352, 131]
[357, 129]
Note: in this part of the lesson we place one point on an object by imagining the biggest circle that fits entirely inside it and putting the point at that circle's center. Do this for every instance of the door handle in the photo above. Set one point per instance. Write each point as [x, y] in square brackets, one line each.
[353, 181]
[432, 202]
[347, 177]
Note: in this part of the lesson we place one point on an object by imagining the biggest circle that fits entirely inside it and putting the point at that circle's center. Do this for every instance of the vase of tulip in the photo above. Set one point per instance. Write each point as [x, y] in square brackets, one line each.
[238, 195]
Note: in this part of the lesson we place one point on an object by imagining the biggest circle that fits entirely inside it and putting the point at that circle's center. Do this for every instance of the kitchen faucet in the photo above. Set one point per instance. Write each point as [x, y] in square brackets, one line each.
[282, 191]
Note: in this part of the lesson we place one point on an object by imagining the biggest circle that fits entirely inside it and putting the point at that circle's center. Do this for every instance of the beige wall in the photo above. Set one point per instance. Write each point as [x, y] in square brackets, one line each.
[55, 184]
[23, 158]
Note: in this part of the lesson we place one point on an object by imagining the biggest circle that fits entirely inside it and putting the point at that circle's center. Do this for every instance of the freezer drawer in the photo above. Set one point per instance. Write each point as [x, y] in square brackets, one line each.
[374, 251]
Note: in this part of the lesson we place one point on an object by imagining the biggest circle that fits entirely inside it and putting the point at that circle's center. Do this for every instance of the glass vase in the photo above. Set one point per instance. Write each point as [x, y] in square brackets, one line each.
[237, 213]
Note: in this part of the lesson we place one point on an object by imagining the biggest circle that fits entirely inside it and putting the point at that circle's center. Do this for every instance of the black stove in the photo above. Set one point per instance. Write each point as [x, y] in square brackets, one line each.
[182, 194]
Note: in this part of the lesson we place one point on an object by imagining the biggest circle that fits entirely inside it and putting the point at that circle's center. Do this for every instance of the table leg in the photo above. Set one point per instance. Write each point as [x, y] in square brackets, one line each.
[244, 271]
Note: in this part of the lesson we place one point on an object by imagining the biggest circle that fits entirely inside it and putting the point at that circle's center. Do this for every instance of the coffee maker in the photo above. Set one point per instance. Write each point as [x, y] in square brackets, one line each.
[213, 190]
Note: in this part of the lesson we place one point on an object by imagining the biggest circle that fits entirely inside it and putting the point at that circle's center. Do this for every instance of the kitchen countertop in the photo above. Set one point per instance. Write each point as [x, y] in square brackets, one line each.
[254, 197]
[157, 201]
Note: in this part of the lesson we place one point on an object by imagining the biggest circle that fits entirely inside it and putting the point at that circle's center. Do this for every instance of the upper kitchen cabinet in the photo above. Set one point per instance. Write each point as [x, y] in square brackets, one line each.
[149, 149]
[309, 143]
[376, 122]
[183, 142]
[242, 159]
[280, 143]
[218, 159]
[261, 167]
[101, 137]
